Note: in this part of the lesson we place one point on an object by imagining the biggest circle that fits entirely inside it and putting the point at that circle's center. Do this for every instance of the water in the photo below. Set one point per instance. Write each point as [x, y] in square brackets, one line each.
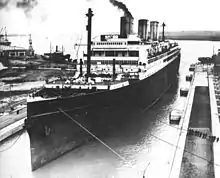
[144, 142]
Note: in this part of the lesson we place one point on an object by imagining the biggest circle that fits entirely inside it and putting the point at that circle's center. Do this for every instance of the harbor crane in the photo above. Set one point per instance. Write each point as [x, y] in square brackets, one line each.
[5, 37]
[80, 44]
[77, 51]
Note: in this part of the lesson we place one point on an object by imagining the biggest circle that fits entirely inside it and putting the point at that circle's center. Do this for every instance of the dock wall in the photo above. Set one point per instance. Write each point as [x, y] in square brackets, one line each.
[215, 125]
[11, 129]
[203, 154]
[175, 168]
[197, 159]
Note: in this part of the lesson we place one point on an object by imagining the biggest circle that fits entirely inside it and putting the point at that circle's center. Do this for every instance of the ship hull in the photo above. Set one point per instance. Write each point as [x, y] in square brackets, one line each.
[58, 133]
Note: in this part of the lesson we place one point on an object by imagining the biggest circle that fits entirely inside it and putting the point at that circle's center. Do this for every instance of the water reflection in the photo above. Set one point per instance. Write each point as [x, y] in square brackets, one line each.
[15, 157]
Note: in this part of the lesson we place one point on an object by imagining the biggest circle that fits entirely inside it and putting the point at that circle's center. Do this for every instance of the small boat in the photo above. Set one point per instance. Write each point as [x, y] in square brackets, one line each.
[192, 67]
[184, 91]
[189, 77]
[175, 116]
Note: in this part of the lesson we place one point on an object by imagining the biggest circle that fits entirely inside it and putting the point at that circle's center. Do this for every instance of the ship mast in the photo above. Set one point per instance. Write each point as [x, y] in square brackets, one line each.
[6, 36]
[89, 29]
[50, 47]
[163, 33]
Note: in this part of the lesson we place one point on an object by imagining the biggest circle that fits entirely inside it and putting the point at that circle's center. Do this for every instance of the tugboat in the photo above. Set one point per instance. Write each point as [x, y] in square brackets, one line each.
[57, 56]
[175, 116]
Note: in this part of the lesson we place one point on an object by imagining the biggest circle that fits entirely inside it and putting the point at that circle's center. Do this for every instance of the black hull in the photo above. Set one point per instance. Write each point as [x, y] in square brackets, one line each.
[4, 60]
[139, 93]
[56, 134]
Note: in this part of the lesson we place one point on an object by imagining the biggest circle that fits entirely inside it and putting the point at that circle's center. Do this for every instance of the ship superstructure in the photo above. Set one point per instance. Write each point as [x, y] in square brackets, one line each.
[132, 56]
[133, 53]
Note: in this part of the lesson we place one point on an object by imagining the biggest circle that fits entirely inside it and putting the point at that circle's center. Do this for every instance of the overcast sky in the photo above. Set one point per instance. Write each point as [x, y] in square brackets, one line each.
[57, 20]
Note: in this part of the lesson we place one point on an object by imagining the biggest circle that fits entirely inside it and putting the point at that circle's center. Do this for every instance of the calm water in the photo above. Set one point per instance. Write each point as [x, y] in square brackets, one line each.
[143, 142]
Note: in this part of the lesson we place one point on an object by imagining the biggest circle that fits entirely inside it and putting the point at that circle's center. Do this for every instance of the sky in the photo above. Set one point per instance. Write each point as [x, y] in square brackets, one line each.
[63, 22]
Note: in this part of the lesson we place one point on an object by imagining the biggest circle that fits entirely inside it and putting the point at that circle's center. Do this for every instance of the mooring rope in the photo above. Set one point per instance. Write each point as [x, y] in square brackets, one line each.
[94, 136]
[6, 149]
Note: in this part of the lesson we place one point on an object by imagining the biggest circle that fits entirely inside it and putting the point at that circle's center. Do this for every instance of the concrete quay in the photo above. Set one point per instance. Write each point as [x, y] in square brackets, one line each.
[215, 124]
[12, 123]
[197, 155]
[11, 129]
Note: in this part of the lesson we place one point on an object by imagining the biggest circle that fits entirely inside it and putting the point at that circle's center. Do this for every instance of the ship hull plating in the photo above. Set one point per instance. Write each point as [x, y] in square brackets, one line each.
[52, 133]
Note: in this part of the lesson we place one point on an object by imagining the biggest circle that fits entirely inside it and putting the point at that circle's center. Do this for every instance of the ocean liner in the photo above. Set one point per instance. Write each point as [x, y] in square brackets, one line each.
[118, 70]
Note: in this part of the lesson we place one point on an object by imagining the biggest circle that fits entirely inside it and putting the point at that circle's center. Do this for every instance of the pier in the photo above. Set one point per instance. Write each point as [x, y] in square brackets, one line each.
[198, 147]
[13, 120]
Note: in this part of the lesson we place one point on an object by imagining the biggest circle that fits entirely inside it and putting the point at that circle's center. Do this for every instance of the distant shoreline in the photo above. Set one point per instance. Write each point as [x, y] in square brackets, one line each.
[193, 35]
[191, 39]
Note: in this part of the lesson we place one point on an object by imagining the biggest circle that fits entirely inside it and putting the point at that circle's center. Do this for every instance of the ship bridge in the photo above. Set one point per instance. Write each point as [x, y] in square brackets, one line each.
[126, 51]
[129, 53]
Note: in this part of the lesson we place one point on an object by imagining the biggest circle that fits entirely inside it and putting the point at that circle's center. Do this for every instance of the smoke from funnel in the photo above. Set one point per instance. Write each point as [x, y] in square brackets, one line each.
[121, 6]
[3, 3]
[26, 5]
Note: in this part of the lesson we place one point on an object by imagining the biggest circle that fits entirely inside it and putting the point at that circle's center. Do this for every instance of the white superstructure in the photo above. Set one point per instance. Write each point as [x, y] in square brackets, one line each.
[131, 54]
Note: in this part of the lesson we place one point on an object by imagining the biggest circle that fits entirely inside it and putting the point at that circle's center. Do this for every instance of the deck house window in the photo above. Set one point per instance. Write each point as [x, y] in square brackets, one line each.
[124, 53]
[97, 53]
[133, 54]
[110, 53]
[133, 42]
[118, 53]
[21, 54]
[12, 53]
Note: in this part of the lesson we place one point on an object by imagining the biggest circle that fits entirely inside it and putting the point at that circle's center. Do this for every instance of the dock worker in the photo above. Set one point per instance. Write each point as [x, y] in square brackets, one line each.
[204, 135]
[214, 138]
[190, 132]
[196, 132]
